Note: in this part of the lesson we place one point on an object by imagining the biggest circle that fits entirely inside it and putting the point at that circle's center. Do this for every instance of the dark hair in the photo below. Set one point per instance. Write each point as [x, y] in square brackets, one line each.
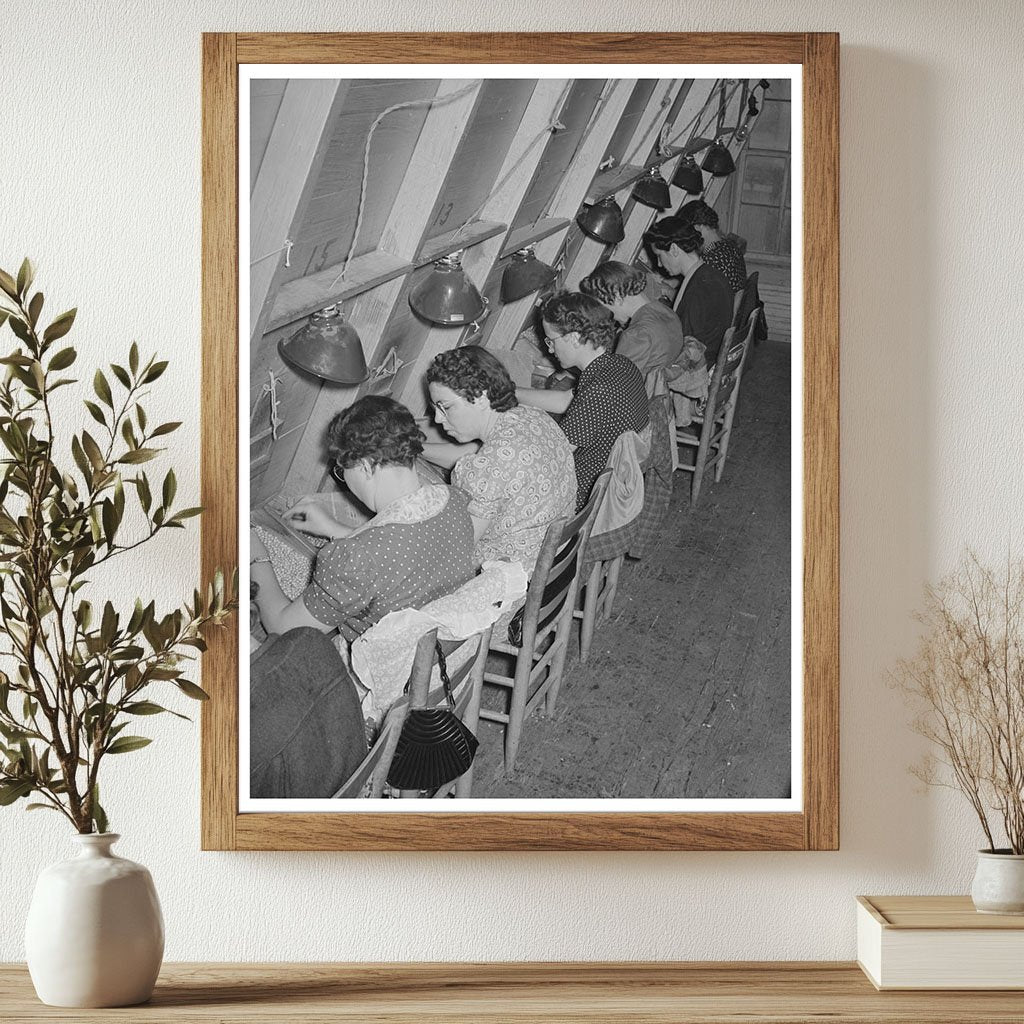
[573, 311]
[376, 428]
[472, 371]
[698, 213]
[600, 334]
[669, 231]
[611, 281]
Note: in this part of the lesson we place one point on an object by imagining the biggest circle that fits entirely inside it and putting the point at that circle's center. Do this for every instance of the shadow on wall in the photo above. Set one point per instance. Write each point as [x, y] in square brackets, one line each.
[887, 209]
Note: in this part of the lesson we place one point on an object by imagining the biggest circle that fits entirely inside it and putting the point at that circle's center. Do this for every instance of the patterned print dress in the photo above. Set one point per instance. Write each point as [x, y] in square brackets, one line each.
[521, 479]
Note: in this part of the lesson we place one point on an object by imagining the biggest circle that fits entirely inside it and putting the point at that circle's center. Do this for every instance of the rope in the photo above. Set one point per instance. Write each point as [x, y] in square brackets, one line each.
[286, 249]
[426, 102]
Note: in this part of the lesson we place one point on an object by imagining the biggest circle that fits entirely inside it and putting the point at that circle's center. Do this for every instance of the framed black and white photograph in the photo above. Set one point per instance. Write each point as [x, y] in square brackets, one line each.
[520, 412]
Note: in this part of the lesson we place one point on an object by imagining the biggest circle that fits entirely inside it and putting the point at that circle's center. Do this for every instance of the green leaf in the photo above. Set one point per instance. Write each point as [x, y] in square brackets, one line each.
[125, 744]
[102, 388]
[170, 487]
[63, 359]
[128, 433]
[133, 358]
[81, 461]
[99, 817]
[121, 374]
[191, 690]
[145, 497]
[92, 449]
[143, 707]
[14, 790]
[8, 285]
[185, 513]
[165, 428]
[20, 328]
[138, 455]
[35, 308]
[154, 372]
[41, 807]
[110, 521]
[26, 274]
[108, 625]
[95, 412]
[4, 314]
[60, 326]
[140, 415]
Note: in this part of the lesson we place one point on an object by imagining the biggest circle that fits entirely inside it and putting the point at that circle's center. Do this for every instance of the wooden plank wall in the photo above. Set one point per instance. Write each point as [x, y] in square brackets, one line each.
[433, 166]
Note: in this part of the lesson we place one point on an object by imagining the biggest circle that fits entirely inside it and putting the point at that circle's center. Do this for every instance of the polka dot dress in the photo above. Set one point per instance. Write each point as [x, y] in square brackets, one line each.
[610, 399]
[359, 579]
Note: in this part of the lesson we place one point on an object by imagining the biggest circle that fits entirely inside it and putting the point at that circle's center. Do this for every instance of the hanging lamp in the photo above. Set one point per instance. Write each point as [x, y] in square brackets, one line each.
[718, 161]
[446, 296]
[525, 274]
[652, 190]
[603, 220]
[688, 177]
[328, 347]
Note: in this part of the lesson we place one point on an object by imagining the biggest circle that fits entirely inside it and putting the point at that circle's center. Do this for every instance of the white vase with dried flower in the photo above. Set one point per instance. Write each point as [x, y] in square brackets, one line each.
[967, 680]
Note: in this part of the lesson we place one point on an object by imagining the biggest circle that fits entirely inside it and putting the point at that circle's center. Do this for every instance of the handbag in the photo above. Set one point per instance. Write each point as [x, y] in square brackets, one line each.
[435, 746]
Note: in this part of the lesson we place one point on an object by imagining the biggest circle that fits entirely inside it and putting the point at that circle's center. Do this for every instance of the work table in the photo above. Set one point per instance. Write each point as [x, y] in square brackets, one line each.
[631, 993]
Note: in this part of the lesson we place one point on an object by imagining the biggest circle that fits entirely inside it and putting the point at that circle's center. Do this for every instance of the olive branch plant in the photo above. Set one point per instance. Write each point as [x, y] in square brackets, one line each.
[80, 674]
[967, 682]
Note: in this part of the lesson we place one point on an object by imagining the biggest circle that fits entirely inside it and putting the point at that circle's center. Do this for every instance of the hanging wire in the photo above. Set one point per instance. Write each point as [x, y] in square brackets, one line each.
[743, 142]
[408, 104]
[665, 101]
[554, 125]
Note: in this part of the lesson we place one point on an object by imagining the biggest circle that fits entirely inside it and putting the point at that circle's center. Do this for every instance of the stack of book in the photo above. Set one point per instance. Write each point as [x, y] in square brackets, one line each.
[938, 942]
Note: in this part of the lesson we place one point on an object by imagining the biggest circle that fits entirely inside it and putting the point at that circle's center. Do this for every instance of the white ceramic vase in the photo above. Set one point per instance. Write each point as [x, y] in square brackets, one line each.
[999, 882]
[95, 934]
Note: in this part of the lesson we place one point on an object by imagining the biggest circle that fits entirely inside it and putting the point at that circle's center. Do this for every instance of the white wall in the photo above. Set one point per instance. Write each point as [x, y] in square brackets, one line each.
[100, 183]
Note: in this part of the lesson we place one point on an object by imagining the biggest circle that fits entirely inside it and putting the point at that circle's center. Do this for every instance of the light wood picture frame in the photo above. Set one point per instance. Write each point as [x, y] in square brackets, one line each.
[815, 825]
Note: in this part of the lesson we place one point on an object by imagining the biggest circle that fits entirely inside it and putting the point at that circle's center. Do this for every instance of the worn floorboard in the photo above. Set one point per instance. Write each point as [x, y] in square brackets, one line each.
[687, 690]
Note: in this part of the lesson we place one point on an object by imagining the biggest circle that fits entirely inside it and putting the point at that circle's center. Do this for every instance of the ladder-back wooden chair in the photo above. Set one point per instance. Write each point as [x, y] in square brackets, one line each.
[708, 435]
[370, 778]
[547, 621]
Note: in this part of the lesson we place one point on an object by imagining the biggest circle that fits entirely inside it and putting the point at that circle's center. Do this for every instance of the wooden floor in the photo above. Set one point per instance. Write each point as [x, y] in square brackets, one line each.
[687, 690]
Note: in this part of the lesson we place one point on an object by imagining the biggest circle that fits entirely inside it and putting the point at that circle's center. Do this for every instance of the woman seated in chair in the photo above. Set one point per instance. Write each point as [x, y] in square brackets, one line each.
[651, 336]
[417, 547]
[705, 299]
[609, 398]
[716, 250]
[521, 477]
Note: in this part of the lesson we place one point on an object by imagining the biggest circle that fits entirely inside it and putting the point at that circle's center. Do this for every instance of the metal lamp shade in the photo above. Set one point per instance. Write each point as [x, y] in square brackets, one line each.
[446, 296]
[524, 275]
[652, 190]
[603, 221]
[688, 177]
[327, 347]
[719, 161]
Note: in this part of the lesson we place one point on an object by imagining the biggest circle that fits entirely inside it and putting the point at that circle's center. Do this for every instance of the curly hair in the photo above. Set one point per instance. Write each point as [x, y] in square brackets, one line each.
[573, 311]
[698, 213]
[611, 281]
[375, 428]
[472, 371]
[669, 231]
[601, 334]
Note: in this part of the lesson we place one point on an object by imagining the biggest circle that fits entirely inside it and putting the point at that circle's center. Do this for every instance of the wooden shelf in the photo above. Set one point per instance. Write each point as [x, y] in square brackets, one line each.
[306, 295]
[524, 993]
[614, 180]
[461, 238]
[531, 234]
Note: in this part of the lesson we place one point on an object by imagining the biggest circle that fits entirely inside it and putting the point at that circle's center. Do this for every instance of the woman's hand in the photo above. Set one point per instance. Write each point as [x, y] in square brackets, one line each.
[309, 516]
